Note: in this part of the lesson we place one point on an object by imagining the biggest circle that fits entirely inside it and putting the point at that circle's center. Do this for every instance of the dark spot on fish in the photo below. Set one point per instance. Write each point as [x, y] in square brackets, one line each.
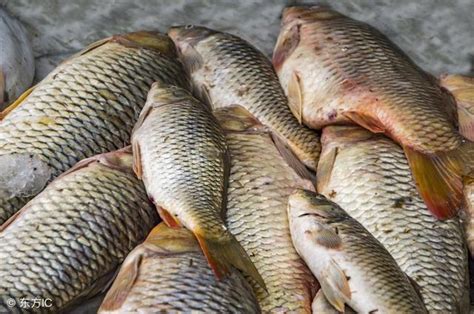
[336, 230]
[387, 230]
[332, 194]
[31, 156]
[348, 278]
[332, 115]
[242, 90]
[34, 168]
[6, 97]
[373, 311]
[190, 262]
[329, 38]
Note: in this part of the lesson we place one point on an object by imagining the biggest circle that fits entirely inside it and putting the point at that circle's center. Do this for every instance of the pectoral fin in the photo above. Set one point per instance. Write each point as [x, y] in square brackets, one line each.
[335, 286]
[295, 97]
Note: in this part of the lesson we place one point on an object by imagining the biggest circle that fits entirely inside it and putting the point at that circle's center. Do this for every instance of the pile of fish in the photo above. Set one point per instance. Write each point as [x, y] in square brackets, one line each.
[336, 179]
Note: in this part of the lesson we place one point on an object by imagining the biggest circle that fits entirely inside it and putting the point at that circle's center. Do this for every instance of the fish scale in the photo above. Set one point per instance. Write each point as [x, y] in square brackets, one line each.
[231, 71]
[371, 180]
[88, 105]
[352, 267]
[168, 273]
[259, 185]
[69, 238]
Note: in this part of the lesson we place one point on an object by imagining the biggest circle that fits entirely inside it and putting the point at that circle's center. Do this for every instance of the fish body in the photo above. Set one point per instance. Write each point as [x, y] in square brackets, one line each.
[66, 243]
[352, 267]
[369, 176]
[17, 63]
[169, 273]
[181, 154]
[259, 185]
[227, 71]
[337, 70]
[86, 106]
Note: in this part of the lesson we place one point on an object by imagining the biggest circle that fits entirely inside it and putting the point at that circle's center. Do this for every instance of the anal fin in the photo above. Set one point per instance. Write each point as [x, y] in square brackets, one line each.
[170, 220]
[335, 286]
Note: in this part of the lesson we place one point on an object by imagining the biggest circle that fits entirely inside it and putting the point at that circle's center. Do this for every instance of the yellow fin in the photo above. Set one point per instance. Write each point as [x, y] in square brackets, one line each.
[295, 97]
[439, 179]
[225, 252]
[325, 167]
[123, 283]
[170, 220]
[335, 286]
[16, 103]
[236, 119]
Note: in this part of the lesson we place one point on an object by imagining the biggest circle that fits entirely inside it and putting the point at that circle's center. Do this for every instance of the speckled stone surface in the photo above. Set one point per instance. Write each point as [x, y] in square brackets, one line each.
[437, 34]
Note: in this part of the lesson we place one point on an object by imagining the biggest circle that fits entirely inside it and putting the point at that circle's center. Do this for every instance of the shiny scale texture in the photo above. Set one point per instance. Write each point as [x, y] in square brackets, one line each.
[72, 236]
[236, 73]
[183, 282]
[87, 106]
[259, 185]
[371, 180]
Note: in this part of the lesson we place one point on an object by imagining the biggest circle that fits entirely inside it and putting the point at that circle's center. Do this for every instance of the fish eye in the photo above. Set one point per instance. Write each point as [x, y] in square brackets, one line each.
[189, 26]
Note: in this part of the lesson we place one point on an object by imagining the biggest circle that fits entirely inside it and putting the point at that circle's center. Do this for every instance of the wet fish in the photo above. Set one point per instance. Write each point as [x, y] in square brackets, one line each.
[462, 89]
[66, 243]
[180, 152]
[338, 70]
[259, 185]
[17, 63]
[368, 175]
[352, 267]
[88, 105]
[321, 305]
[169, 273]
[226, 71]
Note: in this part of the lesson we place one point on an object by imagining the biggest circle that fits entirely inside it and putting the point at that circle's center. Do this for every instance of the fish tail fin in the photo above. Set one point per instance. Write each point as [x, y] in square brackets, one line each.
[224, 252]
[439, 178]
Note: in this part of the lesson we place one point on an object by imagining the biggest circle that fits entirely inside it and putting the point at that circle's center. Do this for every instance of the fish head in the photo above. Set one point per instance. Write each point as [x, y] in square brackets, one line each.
[294, 19]
[311, 217]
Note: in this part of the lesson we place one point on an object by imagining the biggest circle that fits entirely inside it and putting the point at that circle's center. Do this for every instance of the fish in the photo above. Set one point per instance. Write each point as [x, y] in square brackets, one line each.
[88, 105]
[260, 182]
[462, 89]
[180, 153]
[169, 273]
[337, 70]
[17, 63]
[351, 266]
[369, 176]
[65, 245]
[226, 70]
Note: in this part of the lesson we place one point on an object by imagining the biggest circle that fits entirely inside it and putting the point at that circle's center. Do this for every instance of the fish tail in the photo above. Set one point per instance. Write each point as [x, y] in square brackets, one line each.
[224, 252]
[439, 178]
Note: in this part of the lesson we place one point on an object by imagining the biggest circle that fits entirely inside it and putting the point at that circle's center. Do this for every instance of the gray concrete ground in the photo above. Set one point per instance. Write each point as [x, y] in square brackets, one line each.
[437, 34]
